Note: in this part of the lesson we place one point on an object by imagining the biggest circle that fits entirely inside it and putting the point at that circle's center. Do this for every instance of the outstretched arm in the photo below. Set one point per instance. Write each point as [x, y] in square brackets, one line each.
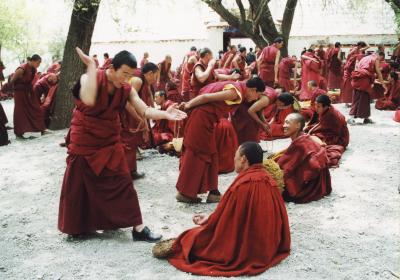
[258, 106]
[88, 91]
[229, 94]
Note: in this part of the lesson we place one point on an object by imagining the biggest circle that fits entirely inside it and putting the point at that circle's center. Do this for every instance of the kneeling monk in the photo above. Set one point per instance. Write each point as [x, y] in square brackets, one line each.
[97, 191]
[199, 160]
[247, 233]
[304, 164]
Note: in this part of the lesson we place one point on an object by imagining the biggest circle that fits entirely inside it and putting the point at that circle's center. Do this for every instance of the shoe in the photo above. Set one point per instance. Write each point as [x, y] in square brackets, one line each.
[136, 175]
[45, 132]
[63, 144]
[146, 235]
[367, 121]
[213, 198]
[347, 105]
[351, 121]
[182, 198]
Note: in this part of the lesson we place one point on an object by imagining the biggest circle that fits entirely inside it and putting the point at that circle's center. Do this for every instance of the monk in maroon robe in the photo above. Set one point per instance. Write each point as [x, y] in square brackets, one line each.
[3, 129]
[199, 150]
[28, 117]
[247, 233]
[391, 101]
[227, 144]
[239, 62]
[378, 91]
[187, 71]
[226, 59]
[162, 132]
[107, 61]
[334, 67]
[304, 164]
[45, 89]
[310, 113]
[363, 78]
[268, 63]
[165, 74]
[54, 68]
[97, 191]
[287, 67]
[311, 67]
[144, 60]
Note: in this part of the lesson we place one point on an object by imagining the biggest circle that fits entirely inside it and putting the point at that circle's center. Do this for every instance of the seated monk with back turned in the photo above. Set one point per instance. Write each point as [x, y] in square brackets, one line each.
[247, 233]
[304, 164]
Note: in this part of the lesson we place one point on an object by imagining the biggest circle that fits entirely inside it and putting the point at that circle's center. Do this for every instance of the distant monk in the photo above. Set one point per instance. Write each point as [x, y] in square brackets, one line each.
[355, 54]
[396, 116]
[243, 236]
[28, 116]
[45, 90]
[54, 68]
[304, 164]
[107, 61]
[378, 90]
[162, 132]
[164, 75]
[228, 57]
[322, 55]
[172, 91]
[199, 146]
[96, 60]
[310, 113]
[97, 191]
[239, 62]
[3, 128]
[284, 107]
[144, 60]
[204, 73]
[334, 66]
[362, 80]
[391, 101]
[268, 62]
[248, 119]
[187, 71]
[310, 70]
[287, 67]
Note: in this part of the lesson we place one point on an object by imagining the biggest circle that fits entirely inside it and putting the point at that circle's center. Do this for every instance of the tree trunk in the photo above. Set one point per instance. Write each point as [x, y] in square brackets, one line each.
[80, 32]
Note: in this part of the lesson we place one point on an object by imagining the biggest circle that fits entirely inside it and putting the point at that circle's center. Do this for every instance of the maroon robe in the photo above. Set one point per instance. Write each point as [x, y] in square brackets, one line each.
[226, 59]
[199, 150]
[28, 117]
[392, 99]
[334, 66]
[195, 84]
[242, 65]
[310, 70]
[107, 62]
[346, 90]
[267, 65]
[187, 70]
[276, 125]
[227, 144]
[97, 191]
[162, 132]
[165, 70]
[306, 172]
[396, 116]
[285, 70]
[3, 130]
[309, 113]
[377, 89]
[247, 233]
[44, 87]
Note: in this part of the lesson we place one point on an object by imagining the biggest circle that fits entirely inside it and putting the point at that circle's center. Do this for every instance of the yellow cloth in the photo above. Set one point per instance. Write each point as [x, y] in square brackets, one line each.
[274, 170]
[238, 100]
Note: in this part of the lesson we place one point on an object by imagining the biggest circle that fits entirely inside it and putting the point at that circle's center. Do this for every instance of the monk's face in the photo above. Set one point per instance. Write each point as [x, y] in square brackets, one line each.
[159, 99]
[121, 75]
[279, 45]
[280, 105]
[36, 64]
[53, 79]
[151, 77]
[291, 126]
[240, 161]
[252, 95]
[319, 108]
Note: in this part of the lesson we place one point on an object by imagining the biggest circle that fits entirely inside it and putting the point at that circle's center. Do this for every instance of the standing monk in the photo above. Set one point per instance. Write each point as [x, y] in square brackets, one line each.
[268, 62]
[247, 233]
[362, 80]
[199, 147]
[304, 164]
[144, 60]
[107, 61]
[310, 70]
[239, 62]
[187, 71]
[28, 116]
[287, 67]
[227, 57]
[97, 191]
[164, 75]
[334, 66]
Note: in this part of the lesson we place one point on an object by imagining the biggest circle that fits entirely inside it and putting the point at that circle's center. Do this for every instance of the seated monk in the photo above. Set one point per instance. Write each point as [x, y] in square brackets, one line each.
[284, 107]
[391, 100]
[304, 164]
[309, 113]
[162, 132]
[173, 92]
[247, 233]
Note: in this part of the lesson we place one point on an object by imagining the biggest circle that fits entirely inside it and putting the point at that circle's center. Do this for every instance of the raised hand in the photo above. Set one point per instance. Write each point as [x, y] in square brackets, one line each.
[86, 59]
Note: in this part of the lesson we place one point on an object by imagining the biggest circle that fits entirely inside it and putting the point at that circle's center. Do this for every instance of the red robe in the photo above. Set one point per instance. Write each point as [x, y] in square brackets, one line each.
[195, 84]
[270, 110]
[346, 90]
[44, 87]
[247, 233]
[310, 70]
[276, 126]
[227, 144]
[392, 99]
[396, 116]
[162, 132]
[335, 75]
[97, 191]
[267, 65]
[242, 65]
[199, 150]
[28, 117]
[107, 62]
[226, 59]
[306, 172]
[377, 89]
[309, 113]
[54, 68]
[285, 70]
[187, 70]
[165, 69]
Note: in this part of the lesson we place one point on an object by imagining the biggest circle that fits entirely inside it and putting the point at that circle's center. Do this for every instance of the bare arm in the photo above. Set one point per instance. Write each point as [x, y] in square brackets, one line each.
[276, 67]
[224, 77]
[88, 90]
[202, 76]
[235, 62]
[258, 106]
[379, 73]
[227, 60]
[229, 94]
[309, 58]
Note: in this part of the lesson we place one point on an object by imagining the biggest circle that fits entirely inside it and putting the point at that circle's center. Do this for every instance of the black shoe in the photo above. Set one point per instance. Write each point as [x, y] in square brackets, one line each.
[136, 175]
[146, 235]
[367, 121]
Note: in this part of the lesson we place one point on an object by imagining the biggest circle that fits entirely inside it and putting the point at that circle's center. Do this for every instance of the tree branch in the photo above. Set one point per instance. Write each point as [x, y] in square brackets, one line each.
[223, 12]
[241, 9]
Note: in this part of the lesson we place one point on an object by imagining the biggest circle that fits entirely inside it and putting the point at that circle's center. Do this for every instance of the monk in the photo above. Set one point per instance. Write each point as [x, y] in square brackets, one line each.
[144, 60]
[227, 144]
[268, 62]
[248, 231]
[45, 90]
[97, 191]
[284, 107]
[311, 67]
[96, 60]
[107, 61]
[187, 71]
[3, 128]
[355, 54]
[54, 68]
[162, 132]
[199, 150]
[287, 67]
[204, 73]
[391, 101]
[334, 67]
[164, 75]
[304, 164]
[378, 90]
[362, 80]
[310, 113]
[228, 56]
[239, 62]
[28, 117]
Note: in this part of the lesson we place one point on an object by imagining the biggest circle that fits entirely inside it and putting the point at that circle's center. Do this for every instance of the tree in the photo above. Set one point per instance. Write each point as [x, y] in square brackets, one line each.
[395, 4]
[83, 19]
[257, 22]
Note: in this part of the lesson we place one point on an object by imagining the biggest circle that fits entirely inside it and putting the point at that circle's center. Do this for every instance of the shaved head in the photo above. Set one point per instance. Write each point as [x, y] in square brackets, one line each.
[294, 123]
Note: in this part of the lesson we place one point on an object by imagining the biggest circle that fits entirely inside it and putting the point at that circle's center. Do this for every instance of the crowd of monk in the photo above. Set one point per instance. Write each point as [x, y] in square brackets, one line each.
[212, 114]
